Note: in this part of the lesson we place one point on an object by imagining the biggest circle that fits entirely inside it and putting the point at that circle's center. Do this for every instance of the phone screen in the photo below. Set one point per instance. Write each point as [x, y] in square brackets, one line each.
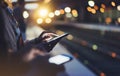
[60, 59]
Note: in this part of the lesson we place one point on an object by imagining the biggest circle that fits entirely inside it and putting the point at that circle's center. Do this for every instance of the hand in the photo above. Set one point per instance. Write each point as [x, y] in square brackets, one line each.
[33, 54]
[45, 36]
[48, 36]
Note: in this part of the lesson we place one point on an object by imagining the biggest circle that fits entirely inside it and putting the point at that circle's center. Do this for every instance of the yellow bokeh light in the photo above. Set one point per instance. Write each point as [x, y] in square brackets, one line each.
[59, 32]
[113, 4]
[75, 13]
[94, 47]
[43, 12]
[118, 7]
[39, 20]
[93, 11]
[25, 14]
[118, 20]
[89, 9]
[51, 15]
[47, 1]
[48, 20]
[102, 10]
[70, 37]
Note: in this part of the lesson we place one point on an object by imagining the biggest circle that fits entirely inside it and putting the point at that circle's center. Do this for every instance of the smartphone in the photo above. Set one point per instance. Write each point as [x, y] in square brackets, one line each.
[60, 59]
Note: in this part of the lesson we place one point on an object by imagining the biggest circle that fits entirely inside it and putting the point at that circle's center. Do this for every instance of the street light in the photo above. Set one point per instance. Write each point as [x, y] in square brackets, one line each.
[39, 20]
[48, 20]
[62, 11]
[118, 7]
[102, 10]
[118, 20]
[113, 4]
[67, 9]
[25, 14]
[31, 6]
[43, 12]
[57, 12]
[91, 3]
[51, 15]
[74, 13]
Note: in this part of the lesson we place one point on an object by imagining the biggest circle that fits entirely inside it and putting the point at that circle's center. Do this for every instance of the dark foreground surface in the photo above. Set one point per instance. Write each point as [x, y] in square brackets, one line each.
[97, 50]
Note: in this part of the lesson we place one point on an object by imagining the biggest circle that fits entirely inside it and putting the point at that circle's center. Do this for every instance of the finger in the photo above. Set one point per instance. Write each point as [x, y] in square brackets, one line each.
[52, 34]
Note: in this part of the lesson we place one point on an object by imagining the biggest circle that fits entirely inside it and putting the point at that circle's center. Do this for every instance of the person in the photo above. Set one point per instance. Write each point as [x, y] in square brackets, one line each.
[16, 54]
[10, 32]
[18, 13]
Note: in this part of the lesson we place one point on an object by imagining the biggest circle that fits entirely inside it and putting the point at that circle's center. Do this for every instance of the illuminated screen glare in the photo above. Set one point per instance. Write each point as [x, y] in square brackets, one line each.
[59, 59]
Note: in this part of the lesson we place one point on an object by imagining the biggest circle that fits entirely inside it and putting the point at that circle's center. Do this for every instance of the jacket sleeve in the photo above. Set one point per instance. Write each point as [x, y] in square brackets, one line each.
[7, 31]
[2, 39]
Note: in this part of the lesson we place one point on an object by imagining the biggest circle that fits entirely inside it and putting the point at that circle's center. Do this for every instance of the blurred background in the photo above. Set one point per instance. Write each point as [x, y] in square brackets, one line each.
[93, 25]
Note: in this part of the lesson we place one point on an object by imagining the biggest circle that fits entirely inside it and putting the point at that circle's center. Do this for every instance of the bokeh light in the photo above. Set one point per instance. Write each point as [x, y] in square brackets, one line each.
[89, 9]
[102, 74]
[70, 37]
[59, 32]
[68, 15]
[67, 9]
[47, 1]
[62, 11]
[102, 10]
[74, 13]
[113, 4]
[84, 43]
[31, 6]
[103, 6]
[43, 12]
[113, 54]
[108, 20]
[93, 11]
[57, 12]
[91, 3]
[48, 20]
[118, 7]
[96, 7]
[25, 14]
[51, 15]
[118, 20]
[39, 20]
[94, 47]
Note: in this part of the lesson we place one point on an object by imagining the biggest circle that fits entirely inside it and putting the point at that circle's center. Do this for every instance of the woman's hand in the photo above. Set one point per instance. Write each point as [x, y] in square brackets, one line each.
[33, 54]
[48, 36]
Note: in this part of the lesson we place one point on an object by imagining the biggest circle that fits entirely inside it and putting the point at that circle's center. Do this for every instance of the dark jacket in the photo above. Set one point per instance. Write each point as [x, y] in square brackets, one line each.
[7, 30]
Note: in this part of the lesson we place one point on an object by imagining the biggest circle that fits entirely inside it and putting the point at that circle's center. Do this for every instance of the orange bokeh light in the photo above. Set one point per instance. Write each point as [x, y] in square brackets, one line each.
[62, 11]
[96, 7]
[113, 54]
[102, 74]
[89, 9]
[103, 6]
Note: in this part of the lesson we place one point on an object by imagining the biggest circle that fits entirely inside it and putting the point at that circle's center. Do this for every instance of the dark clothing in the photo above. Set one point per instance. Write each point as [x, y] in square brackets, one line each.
[18, 13]
[8, 35]
[10, 38]
[41, 67]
